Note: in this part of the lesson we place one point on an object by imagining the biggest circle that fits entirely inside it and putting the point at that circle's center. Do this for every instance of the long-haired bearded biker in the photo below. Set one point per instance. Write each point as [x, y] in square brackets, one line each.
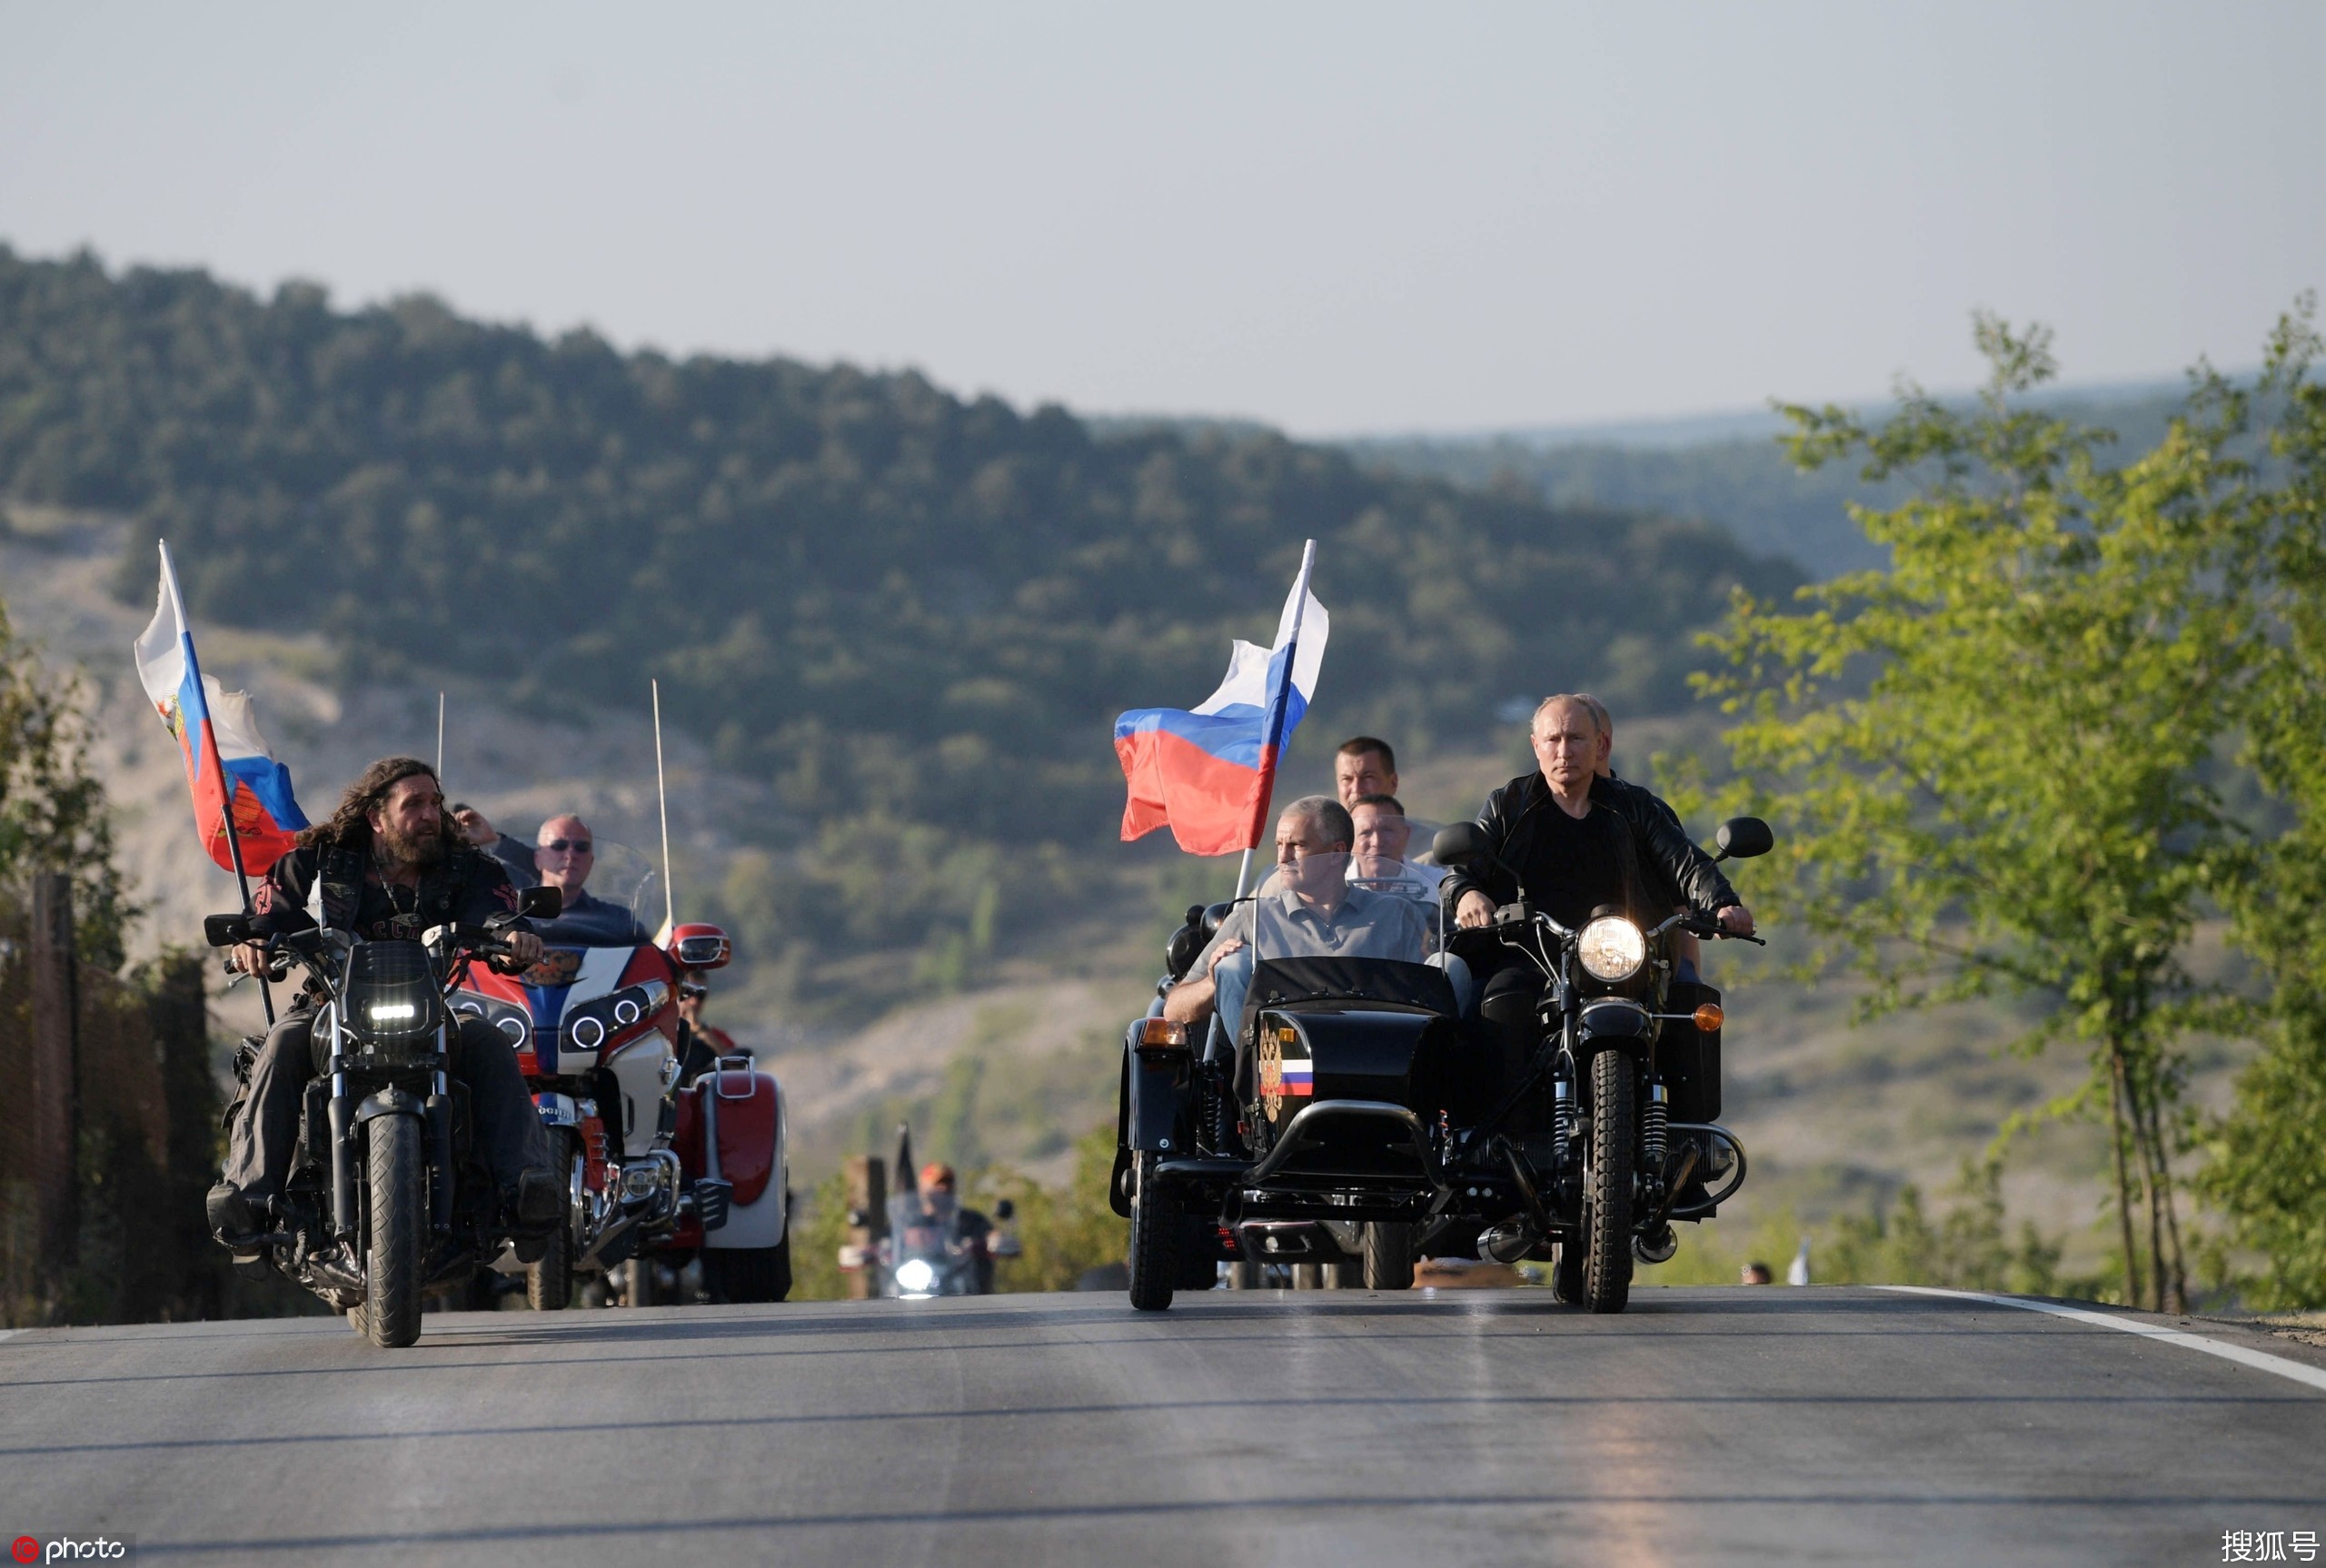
[388, 865]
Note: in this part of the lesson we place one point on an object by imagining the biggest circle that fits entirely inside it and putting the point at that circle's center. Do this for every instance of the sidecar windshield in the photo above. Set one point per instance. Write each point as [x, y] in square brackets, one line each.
[1344, 907]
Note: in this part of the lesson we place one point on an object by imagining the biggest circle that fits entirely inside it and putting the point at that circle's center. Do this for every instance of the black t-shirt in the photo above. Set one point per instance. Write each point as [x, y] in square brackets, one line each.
[1572, 864]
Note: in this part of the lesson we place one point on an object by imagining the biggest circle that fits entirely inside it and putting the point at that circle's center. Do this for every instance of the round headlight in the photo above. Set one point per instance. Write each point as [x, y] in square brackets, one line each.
[514, 1026]
[1611, 948]
[915, 1275]
[589, 1033]
[625, 1012]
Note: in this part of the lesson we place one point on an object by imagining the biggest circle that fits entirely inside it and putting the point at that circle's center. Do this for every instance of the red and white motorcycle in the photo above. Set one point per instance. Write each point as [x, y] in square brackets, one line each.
[598, 1036]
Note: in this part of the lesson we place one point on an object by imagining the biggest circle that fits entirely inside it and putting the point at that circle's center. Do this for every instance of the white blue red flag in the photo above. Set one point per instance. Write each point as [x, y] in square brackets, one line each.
[226, 758]
[1207, 772]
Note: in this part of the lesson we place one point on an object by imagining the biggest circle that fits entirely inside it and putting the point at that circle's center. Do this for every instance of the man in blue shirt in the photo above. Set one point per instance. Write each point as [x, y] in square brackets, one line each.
[563, 852]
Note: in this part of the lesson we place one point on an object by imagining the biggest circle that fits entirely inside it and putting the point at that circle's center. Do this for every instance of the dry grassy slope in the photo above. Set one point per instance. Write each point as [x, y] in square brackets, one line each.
[1833, 1114]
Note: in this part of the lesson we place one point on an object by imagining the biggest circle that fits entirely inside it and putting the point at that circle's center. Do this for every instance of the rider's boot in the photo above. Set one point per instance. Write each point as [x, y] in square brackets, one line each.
[535, 1207]
[234, 1222]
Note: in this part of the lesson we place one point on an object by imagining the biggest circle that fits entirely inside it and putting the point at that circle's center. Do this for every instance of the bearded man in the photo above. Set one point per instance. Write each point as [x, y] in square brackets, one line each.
[388, 865]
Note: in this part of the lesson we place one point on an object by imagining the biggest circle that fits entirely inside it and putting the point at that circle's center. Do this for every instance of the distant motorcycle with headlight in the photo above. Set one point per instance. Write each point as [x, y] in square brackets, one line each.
[1629, 1055]
[387, 1195]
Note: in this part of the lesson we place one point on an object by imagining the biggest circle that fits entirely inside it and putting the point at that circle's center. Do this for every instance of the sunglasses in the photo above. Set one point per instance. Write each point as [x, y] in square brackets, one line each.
[577, 846]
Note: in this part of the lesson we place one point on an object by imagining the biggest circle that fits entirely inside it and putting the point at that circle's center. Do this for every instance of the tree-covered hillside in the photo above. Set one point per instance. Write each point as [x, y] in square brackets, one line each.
[881, 592]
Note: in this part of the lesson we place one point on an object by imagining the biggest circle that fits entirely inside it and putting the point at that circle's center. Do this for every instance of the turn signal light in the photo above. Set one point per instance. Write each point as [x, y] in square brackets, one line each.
[1162, 1035]
[1708, 1017]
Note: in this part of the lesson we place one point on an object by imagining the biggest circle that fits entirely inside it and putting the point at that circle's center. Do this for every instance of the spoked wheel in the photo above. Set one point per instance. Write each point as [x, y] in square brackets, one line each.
[399, 1228]
[1388, 1255]
[1154, 1238]
[549, 1284]
[1607, 1184]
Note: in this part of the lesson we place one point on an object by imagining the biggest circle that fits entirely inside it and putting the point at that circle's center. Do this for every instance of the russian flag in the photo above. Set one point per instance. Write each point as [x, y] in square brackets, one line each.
[218, 733]
[1207, 773]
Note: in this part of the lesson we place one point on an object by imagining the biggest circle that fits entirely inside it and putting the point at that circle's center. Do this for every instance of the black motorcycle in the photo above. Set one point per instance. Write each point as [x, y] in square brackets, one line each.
[1608, 1136]
[386, 1195]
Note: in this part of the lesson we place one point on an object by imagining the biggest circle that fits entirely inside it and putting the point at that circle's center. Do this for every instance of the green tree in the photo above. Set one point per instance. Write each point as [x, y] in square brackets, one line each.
[1989, 763]
[2267, 1169]
[52, 813]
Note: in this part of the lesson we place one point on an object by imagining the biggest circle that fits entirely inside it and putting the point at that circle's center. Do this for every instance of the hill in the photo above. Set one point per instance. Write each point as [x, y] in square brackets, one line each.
[1726, 469]
[917, 614]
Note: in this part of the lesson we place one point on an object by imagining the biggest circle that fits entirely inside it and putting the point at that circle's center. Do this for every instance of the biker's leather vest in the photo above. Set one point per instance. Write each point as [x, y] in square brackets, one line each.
[336, 899]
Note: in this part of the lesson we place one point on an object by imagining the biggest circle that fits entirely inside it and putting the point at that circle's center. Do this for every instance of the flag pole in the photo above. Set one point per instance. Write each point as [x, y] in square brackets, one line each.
[209, 745]
[1274, 735]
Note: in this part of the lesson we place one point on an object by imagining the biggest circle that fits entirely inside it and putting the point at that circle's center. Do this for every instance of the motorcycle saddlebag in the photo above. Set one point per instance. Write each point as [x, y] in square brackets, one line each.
[1688, 1058]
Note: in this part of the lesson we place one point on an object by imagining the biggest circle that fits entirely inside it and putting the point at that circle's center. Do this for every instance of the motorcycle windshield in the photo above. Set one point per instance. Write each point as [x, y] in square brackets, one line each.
[1322, 935]
[621, 903]
[914, 1232]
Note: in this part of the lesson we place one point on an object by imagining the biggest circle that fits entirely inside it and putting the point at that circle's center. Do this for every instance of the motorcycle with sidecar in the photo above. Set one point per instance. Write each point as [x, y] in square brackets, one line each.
[1347, 1105]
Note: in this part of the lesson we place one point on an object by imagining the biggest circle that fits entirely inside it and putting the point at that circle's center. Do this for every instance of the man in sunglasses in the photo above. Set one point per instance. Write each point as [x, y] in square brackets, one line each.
[563, 853]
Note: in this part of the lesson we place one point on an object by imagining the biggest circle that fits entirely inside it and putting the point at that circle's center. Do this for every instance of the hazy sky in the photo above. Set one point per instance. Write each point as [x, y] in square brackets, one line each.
[1335, 217]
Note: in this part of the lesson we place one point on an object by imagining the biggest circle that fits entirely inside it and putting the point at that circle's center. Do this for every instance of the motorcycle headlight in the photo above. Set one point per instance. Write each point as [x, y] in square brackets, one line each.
[1611, 948]
[915, 1275]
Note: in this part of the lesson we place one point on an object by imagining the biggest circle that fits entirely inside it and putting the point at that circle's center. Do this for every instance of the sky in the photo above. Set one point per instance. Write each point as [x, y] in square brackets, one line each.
[1339, 219]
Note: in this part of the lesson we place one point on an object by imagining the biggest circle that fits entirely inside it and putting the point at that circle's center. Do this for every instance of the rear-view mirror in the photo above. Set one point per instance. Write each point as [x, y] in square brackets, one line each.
[1456, 844]
[225, 930]
[541, 903]
[1005, 1210]
[1742, 837]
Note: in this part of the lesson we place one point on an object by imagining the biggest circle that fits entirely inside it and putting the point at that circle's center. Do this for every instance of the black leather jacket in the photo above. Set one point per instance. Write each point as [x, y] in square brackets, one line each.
[1663, 862]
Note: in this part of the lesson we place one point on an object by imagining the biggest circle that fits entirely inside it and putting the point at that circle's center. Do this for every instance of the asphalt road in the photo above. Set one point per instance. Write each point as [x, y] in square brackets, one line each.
[1771, 1424]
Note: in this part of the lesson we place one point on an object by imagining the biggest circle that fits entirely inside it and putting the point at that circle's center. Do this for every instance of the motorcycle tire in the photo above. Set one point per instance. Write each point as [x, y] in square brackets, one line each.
[748, 1275]
[1388, 1261]
[549, 1283]
[1154, 1238]
[398, 1231]
[1607, 1196]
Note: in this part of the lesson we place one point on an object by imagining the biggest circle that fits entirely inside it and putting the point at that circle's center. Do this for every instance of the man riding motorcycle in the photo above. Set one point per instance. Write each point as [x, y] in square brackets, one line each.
[1578, 840]
[388, 866]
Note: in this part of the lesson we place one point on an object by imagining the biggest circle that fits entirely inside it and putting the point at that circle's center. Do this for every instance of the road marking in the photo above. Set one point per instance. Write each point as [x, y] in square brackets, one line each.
[2314, 1377]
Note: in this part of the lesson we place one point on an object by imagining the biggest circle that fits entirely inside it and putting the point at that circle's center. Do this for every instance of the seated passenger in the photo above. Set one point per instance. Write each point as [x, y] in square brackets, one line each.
[564, 853]
[1383, 838]
[1309, 893]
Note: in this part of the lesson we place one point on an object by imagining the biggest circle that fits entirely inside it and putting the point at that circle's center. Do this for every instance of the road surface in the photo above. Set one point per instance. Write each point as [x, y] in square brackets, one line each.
[1772, 1424]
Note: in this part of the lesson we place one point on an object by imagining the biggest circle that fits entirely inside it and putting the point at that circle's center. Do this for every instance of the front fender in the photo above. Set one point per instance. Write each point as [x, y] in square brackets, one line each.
[390, 1102]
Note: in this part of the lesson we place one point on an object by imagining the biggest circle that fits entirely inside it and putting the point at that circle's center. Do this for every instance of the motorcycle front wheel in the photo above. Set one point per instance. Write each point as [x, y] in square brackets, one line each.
[1607, 1195]
[399, 1228]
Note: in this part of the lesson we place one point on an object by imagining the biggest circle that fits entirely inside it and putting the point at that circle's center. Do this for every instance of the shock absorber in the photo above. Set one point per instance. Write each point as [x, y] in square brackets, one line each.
[1655, 1122]
[1562, 1111]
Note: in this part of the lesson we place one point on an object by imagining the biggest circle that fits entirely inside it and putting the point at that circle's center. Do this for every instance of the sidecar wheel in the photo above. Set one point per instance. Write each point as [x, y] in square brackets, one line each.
[1154, 1239]
[1388, 1255]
